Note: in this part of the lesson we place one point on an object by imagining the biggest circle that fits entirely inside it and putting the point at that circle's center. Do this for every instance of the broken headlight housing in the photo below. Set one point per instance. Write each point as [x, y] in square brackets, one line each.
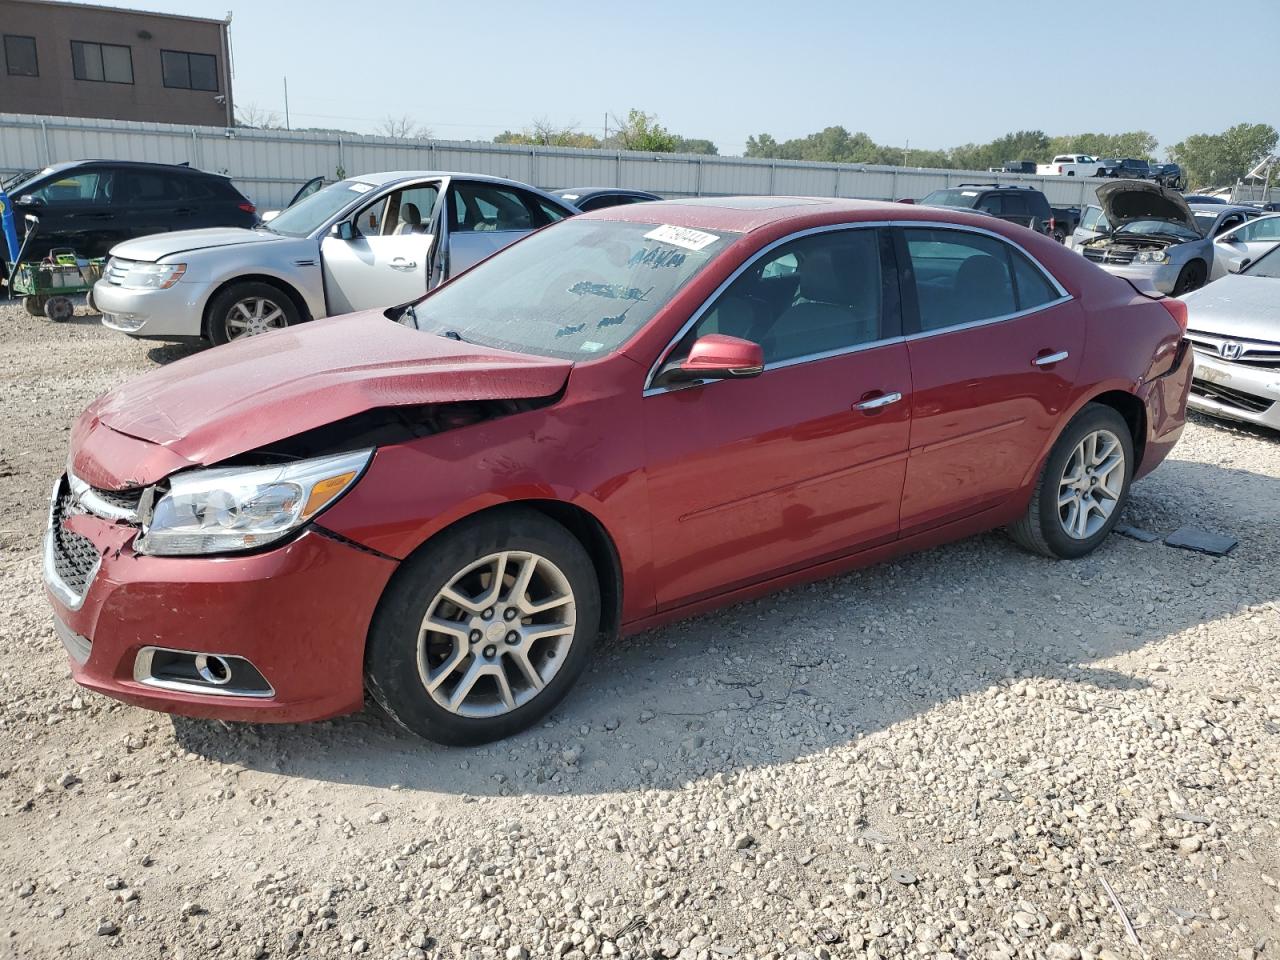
[231, 509]
[1151, 256]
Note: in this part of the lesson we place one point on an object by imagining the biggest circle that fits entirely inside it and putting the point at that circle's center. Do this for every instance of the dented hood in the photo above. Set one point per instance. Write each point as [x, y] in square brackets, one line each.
[1125, 201]
[236, 398]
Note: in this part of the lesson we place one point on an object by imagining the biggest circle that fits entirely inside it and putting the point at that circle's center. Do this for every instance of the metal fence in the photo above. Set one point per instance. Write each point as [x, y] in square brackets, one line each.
[269, 165]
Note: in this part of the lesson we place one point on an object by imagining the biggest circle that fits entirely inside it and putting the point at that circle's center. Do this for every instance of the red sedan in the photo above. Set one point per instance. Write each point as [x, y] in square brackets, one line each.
[628, 417]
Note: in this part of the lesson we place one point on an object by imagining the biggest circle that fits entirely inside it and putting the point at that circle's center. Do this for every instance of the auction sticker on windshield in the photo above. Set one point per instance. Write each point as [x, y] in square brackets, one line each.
[681, 237]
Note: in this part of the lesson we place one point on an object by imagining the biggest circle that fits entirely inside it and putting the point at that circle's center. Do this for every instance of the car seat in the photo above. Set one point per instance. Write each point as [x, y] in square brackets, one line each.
[410, 220]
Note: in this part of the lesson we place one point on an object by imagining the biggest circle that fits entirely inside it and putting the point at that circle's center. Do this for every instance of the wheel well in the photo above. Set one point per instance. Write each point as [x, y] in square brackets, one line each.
[1134, 413]
[594, 538]
[294, 296]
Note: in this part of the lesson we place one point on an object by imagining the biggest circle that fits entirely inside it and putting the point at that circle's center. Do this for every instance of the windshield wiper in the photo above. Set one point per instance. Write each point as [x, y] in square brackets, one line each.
[451, 335]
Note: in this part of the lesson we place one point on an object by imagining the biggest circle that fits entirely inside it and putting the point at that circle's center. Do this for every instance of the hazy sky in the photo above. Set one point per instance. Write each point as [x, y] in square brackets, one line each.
[901, 70]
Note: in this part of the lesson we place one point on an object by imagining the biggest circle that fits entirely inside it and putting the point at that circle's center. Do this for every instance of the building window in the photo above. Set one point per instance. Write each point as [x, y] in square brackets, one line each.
[189, 71]
[20, 56]
[101, 62]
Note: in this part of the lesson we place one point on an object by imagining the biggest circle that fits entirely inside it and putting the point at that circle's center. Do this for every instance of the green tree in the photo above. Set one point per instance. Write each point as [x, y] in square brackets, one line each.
[1210, 159]
[761, 145]
[641, 131]
[1139, 144]
[546, 134]
[704, 147]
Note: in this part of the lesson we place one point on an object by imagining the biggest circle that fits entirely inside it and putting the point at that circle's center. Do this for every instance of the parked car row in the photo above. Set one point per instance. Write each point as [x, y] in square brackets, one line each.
[627, 417]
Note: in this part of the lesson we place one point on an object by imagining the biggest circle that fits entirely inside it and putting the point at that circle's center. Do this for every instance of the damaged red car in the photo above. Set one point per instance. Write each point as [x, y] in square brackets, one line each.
[627, 417]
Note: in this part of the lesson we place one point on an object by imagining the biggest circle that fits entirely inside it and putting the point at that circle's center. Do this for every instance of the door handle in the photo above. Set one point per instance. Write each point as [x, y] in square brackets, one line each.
[1049, 359]
[875, 403]
[400, 263]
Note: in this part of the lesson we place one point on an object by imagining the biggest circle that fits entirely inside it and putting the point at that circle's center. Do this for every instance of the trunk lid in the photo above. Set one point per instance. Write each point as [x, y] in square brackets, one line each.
[1128, 200]
[236, 398]
[159, 245]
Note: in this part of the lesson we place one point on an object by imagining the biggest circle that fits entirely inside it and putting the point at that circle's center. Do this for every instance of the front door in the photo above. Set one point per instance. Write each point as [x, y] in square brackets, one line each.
[994, 345]
[753, 478]
[387, 259]
[1235, 250]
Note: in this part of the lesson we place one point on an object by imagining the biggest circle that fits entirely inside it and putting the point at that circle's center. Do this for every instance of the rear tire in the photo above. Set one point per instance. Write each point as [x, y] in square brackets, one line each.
[521, 645]
[34, 305]
[1087, 472]
[248, 309]
[1192, 277]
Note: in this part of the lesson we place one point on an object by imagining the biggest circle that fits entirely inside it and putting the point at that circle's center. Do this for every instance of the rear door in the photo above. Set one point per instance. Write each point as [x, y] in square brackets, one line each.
[485, 217]
[388, 258]
[750, 479]
[994, 344]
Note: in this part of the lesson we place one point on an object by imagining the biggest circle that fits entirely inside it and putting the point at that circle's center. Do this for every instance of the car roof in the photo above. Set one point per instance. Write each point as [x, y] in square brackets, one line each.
[395, 176]
[584, 192]
[1220, 208]
[749, 213]
[130, 164]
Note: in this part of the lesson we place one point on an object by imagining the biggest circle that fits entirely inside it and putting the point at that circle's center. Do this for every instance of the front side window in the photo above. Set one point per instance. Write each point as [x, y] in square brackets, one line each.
[1093, 220]
[812, 296]
[1268, 228]
[20, 56]
[73, 189]
[964, 277]
[399, 212]
[577, 290]
[189, 71]
[101, 62]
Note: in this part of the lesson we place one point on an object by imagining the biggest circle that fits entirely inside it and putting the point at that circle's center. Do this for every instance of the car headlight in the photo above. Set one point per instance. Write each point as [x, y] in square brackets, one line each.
[1151, 256]
[152, 276]
[229, 509]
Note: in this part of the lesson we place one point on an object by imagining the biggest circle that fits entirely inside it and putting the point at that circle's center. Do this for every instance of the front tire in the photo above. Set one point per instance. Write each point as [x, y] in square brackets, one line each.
[1082, 488]
[485, 629]
[1191, 277]
[247, 310]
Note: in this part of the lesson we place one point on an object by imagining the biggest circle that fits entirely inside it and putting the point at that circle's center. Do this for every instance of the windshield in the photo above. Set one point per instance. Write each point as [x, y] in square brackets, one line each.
[1267, 265]
[1161, 228]
[310, 214]
[16, 180]
[576, 290]
[952, 198]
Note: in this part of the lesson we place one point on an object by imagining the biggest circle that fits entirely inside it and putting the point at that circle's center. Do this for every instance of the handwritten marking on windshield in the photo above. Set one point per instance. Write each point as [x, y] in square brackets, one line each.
[656, 257]
[610, 291]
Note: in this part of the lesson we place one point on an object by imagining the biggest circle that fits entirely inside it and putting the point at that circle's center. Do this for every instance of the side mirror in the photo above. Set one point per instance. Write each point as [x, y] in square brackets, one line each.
[1238, 266]
[30, 200]
[717, 357]
[345, 230]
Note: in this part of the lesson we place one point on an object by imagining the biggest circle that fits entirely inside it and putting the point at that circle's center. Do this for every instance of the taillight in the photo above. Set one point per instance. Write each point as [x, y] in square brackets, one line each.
[1053, 224]
[1178, 310]
[248, 207]
[1059, 168]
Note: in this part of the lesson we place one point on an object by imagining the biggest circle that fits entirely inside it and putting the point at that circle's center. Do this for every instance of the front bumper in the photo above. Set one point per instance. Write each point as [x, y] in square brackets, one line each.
[1236, 391]
[299, 614]
[176, 312]
[1164, 277]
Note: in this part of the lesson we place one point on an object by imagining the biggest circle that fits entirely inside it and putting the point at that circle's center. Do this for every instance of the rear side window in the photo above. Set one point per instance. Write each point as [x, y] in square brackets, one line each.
[964, 277]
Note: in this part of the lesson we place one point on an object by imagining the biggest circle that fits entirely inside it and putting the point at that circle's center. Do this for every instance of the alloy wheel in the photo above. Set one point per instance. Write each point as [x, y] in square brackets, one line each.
[496, 634]
[1091, 485]
[254, 315]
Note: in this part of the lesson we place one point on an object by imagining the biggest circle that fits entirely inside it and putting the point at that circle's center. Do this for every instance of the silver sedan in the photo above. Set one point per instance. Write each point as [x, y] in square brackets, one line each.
[1235, 330]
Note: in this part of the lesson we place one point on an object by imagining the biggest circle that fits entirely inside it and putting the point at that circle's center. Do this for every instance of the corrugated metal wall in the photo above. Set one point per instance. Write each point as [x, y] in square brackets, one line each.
[269, 165]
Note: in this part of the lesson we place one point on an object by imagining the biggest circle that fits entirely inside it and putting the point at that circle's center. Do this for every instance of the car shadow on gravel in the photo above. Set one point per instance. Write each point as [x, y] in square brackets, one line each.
[820, 666]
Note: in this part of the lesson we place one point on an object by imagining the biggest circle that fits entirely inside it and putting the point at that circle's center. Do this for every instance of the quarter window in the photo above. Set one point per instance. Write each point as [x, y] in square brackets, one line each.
[189, 71]
[815, 295]
[20, 56]
[101, 62]
[966, 277]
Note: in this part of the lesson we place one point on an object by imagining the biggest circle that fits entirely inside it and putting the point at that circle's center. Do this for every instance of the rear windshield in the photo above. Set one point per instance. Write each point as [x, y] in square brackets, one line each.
[576, 290]
[952, 198]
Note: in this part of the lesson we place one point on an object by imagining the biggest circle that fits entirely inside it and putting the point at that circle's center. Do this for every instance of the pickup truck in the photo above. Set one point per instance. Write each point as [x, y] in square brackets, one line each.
[1070, 165]
[1126, 169]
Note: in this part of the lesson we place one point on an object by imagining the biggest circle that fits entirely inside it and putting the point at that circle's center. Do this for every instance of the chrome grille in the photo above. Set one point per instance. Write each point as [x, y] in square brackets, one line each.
[115, 271]
[1252, 353]
[1109, 256]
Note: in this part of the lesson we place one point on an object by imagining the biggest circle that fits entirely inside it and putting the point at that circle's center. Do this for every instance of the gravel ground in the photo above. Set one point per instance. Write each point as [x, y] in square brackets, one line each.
[968, 753]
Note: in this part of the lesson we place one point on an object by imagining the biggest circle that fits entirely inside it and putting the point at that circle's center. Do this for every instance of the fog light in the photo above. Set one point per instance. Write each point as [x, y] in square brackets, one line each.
[209, 673]
[124, 321]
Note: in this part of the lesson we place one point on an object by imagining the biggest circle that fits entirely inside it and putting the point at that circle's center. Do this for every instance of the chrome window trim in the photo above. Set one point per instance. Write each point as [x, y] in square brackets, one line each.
[142, 674]
[1064, 296]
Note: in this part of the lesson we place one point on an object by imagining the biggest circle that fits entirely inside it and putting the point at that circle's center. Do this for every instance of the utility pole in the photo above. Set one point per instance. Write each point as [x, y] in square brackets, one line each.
[606, 127]
[286, 104]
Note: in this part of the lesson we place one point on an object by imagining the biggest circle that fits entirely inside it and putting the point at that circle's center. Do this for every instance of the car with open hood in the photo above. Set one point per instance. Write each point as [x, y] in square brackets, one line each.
[630, 417]
[1235, 329]
[364, 242]
[1153, 235]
